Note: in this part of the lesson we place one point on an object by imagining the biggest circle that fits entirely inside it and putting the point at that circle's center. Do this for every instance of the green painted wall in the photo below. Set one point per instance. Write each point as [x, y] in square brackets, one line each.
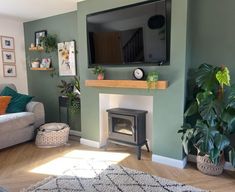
[168, 104]
[212, 35]
[40, 83]
[213, 32]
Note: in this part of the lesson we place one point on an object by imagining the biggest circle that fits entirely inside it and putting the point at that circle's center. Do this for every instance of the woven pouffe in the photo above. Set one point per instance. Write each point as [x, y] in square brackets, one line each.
[52, 135]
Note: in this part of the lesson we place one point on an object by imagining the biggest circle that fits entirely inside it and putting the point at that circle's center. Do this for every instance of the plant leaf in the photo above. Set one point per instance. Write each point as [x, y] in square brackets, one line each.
[232, 157]
[207, 107]
[193, 109]
[223, 77]
[205, 77]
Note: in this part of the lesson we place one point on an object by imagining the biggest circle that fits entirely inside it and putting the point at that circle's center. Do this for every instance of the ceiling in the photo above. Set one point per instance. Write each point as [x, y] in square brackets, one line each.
[28, 10]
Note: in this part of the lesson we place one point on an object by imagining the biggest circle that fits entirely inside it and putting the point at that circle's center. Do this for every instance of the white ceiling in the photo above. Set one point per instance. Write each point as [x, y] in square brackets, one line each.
[28, 10]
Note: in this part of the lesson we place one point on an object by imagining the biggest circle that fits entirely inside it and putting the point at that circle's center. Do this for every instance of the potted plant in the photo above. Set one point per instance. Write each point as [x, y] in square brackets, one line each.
[152, 78]
[212, 113]
[35, 63]
[49, 43]
[99, 71]
[72, 91]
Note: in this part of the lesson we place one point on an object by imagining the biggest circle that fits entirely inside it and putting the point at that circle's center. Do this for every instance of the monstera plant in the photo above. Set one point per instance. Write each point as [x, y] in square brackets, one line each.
[213, 111]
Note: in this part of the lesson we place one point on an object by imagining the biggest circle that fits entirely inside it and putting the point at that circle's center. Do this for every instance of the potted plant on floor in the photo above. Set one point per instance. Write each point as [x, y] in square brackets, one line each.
[99, 71]
[72, 91]
[213, 111]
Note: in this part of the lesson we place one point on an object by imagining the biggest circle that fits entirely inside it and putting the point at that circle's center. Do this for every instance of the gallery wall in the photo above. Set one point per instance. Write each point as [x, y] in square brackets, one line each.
[14, 28]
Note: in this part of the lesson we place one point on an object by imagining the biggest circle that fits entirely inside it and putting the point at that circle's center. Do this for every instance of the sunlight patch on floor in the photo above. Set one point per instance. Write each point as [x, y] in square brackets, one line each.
[82, 159]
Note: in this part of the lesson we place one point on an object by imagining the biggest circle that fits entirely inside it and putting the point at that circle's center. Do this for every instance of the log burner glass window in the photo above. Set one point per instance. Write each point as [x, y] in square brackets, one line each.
[123, 125]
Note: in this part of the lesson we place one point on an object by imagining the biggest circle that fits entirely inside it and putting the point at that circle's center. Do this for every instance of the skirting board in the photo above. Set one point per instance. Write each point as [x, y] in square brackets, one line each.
[169, 161]
[75, 133]
[90, 143]
[227, 166]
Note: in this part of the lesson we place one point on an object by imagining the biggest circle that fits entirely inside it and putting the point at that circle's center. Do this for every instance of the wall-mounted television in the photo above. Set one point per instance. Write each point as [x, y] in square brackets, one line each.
[130, 35]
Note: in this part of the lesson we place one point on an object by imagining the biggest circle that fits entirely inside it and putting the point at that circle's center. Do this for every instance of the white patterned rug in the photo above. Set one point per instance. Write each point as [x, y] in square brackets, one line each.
[89, 177]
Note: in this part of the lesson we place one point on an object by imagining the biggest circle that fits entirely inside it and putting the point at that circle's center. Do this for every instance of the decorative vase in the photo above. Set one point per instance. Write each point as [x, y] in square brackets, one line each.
[205, 165]
[100, 76]
[35, 64]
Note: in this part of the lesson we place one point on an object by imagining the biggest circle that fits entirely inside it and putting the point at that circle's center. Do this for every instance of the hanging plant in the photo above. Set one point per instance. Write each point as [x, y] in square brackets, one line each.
[49, 43]
[152, 77]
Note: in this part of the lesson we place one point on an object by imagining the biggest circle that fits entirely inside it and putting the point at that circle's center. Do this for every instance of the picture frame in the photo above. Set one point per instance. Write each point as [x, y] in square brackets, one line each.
[9, 70]
[8, 56]
[37, 37]
[7, 42]
[46, 63]
[66, 58]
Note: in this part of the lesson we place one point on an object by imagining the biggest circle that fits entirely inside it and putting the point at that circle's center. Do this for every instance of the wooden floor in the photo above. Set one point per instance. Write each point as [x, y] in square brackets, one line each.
[25, 164]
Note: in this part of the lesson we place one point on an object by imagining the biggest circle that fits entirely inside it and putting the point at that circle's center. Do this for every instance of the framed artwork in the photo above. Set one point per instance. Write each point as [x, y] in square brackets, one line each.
[38, 35]
[46, 62]
[8, 56]
[7, 42]
[9, 70]
[66, 58]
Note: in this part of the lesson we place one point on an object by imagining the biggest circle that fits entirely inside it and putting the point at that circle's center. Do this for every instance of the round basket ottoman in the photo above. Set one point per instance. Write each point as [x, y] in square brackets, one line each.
[52, 135]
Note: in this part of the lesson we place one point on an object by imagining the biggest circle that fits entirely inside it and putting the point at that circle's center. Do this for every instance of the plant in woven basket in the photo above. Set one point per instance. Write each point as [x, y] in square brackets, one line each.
[72, 91]
[213, 111]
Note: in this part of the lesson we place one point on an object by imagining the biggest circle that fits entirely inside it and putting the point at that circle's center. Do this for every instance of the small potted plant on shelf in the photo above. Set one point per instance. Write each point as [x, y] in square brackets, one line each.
[49, 43]
[210, 119]
[35, 63]
[99, 71]
[151, 79]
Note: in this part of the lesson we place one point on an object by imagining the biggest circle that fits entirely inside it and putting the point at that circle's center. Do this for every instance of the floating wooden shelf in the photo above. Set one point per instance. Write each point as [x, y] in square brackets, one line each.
[134, 84]
[36, 49]
[42, 69]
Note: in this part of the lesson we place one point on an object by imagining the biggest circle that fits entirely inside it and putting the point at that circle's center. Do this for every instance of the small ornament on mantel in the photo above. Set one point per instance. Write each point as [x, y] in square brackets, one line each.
[99, 71]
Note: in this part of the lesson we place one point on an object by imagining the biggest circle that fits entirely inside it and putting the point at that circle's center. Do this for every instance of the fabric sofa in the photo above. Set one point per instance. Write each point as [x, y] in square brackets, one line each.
[19, 127]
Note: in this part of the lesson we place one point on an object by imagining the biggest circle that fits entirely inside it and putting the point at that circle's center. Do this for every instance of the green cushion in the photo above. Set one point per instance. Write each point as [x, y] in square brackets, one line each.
[18, 102]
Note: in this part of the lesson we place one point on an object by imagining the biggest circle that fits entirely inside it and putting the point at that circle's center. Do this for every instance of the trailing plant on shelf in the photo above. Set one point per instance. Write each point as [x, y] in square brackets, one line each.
[151, 79]
[72, 91]
[49, 43]
[213, 111]
[99, 71]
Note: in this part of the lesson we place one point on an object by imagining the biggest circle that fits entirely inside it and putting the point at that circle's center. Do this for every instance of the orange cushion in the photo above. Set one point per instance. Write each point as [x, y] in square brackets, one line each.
[4, 101]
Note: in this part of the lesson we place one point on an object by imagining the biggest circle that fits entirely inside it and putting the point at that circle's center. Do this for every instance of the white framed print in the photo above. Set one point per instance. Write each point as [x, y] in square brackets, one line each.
[9, 70]
[7, 42]
[66, 58]
[8, 56]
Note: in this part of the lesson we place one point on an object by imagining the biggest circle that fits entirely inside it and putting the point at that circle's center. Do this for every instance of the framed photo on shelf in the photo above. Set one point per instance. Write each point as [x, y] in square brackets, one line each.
[66, 58]
[46, 63]
[8, 56]
[7, 42]
[9, 70]
[37, 37]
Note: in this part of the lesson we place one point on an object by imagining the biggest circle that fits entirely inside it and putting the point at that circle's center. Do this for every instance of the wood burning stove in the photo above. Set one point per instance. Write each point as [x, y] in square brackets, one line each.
[128, 127]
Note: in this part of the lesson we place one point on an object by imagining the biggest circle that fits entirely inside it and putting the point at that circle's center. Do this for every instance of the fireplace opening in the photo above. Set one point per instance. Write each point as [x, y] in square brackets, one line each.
[122, 126]
[127, 127]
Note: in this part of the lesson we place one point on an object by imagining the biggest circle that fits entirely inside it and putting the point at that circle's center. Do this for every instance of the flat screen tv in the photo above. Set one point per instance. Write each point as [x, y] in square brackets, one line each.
[130, 35]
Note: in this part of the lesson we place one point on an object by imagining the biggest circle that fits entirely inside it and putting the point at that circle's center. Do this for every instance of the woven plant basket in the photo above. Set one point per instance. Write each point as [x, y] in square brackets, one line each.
[47, 138]
[205, 165]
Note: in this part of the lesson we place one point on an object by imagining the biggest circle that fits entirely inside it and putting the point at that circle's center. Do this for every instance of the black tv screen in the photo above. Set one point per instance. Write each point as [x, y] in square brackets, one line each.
[130, 35]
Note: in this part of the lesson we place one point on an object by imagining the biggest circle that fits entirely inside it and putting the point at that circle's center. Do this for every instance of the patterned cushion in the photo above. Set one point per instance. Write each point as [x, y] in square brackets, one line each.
[4, 101]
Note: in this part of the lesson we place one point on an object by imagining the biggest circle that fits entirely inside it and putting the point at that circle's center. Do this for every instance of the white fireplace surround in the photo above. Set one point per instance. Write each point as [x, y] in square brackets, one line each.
[108, 101]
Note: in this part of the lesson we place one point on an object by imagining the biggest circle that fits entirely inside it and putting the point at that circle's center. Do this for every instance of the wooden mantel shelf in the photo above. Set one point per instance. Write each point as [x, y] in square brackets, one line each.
[134, 84]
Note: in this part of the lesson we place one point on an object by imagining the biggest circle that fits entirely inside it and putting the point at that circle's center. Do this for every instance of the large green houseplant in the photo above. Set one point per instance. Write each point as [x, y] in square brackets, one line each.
[213, 111]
